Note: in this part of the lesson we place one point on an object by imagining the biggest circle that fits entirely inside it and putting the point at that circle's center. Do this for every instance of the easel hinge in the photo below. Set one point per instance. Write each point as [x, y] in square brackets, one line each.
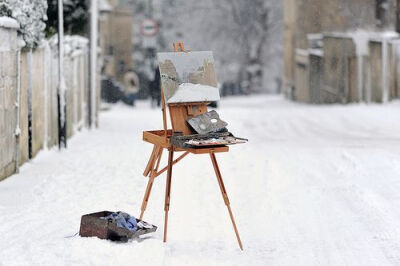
[179, 46]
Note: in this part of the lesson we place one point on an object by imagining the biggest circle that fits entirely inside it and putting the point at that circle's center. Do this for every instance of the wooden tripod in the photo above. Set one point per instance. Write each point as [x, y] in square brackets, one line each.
[160, 139]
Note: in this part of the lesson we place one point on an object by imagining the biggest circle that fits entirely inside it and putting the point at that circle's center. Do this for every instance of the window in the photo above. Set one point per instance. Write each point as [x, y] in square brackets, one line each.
[381, 13]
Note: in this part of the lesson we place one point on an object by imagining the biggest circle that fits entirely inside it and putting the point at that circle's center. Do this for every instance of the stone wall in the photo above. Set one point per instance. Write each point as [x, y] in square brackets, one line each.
[301, 91]
[316, 68]
[384, 84]
[301, 17]
[394, 56]
[376, 71]
[336, 75]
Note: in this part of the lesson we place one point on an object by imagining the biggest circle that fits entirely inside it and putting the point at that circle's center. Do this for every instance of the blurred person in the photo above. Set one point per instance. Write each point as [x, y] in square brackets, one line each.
[155, 89]
[131, 83]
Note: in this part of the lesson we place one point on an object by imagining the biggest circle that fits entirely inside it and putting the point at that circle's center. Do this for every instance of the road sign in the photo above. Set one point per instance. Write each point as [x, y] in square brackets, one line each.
[149, 27]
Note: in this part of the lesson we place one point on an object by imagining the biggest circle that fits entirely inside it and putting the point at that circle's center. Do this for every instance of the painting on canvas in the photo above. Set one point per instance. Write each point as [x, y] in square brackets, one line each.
[188, 77]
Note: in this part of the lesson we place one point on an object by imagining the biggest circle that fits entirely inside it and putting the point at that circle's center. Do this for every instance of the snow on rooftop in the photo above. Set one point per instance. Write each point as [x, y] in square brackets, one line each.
[315, 36]
[316, 52]
[302, 52]
[76, 38]
[105, 6]
[369, 34]
[71, 42]
[386, 35]
[361, 40]
[7, 22]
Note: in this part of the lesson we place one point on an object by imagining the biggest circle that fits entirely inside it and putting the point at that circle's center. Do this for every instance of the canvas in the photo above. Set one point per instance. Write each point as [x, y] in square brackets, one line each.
[188, 77]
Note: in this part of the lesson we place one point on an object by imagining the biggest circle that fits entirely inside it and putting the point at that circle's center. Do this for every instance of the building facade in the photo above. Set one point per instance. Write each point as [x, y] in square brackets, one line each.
[116, 38]
[341, 51]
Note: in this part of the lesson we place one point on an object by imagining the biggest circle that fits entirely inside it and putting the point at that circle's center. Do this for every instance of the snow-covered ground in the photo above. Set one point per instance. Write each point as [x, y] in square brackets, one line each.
[315, 185]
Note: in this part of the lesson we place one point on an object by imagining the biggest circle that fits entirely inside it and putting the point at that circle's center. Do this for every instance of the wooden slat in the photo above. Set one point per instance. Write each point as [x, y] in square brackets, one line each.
[154, 138]
[179, 114]
[208, 150]
[151, 161]
[164, 113]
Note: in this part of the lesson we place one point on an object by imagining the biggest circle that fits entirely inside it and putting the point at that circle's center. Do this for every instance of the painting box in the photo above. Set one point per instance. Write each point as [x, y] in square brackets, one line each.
[93, 225]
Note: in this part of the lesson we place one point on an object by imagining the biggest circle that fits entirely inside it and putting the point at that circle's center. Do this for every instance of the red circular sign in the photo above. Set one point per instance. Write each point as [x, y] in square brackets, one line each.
[149, 27]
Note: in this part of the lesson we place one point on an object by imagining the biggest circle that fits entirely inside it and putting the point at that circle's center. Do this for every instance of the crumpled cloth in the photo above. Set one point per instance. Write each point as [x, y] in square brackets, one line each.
[123, 220]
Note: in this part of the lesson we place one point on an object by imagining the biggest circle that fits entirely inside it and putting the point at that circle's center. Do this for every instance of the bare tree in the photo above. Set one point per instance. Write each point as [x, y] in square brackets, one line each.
[242, 33]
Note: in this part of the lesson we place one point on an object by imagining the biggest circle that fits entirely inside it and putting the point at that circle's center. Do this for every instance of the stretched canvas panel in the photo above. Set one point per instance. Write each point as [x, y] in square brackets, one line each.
[188, 77]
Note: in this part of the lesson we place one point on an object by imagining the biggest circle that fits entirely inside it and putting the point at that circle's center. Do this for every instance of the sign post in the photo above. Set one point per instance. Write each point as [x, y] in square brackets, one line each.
[149, 30]
[93, 62]
[62, 106]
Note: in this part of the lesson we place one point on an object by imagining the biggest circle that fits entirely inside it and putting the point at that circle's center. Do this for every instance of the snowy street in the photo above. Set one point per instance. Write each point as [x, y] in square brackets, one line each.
[315, 185]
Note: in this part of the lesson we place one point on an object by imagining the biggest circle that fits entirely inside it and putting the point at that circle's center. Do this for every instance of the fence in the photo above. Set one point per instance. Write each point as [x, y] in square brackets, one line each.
[28, 96]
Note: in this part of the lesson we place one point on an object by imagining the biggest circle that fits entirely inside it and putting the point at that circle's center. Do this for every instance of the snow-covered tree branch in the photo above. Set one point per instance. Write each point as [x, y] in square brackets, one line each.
[31, 16]
[246, 37]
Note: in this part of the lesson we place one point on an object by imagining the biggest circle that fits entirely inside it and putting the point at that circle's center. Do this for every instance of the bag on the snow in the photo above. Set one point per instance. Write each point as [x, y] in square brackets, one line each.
[115, 226]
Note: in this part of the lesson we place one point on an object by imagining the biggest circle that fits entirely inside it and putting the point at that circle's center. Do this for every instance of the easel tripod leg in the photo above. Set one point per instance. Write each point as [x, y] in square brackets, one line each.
[225, 196]
[151, 162]
[168, 191]
[156, 160]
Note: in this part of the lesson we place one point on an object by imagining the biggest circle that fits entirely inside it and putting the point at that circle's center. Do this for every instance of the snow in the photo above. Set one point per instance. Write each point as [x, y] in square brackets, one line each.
[7, 22]
[362, 35]
[316, 52]
[187, 92]
[302, 52]
[104, 6]
[315, 185]
[75, 44]
[30, 15]
[361, 40]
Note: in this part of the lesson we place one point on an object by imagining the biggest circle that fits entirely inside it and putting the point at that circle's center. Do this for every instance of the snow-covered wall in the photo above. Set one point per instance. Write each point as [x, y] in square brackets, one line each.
[36, 76]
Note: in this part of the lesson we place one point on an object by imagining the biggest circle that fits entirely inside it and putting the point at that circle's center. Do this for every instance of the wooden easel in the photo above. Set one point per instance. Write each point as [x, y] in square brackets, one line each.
[179, 113]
